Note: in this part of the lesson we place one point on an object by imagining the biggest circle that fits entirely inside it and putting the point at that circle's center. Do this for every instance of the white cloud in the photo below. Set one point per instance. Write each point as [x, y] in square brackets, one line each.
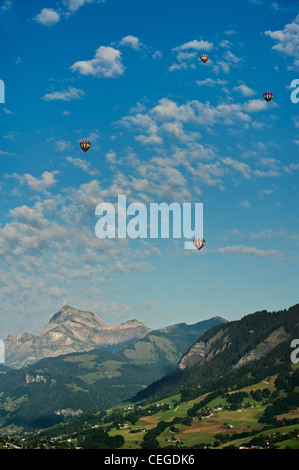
[185, 60]
[83, 165]
[269, 233]
[6, 5]
[196, 45]
[241, 167]
[253, 106]
[47, 17]
[211, 82]
[157, 55]
[187, 54]
[291, 167]
[46, 180]
[193, 112]
[230, 32]
[111, 157]
[106, 63]
[244, 90]
[244, 203]
[229, 60]
[3, 152]
[146, 124]
[131, 41]
[67, 95]
[62, 145]
[265, 192]
[229, 56]
[287, 41]
[149, 305]
[74, 5]
[225, 43]
[247, 251]
[7, 111]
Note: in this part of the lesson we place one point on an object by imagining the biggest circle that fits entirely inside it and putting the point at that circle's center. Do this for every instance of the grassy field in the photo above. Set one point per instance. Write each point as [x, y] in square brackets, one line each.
[218, 421]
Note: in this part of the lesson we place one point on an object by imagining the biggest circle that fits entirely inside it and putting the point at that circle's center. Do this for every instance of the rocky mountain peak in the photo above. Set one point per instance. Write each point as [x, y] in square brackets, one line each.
[71, 330]
[68, 314]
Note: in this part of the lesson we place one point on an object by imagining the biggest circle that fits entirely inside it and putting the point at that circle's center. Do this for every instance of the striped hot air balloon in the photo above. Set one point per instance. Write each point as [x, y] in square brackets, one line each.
[199, 242]
[204, 58]
[85, 145]
[268, 96]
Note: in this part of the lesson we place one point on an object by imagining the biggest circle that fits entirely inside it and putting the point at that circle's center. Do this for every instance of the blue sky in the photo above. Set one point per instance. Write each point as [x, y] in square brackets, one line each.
[164, 127]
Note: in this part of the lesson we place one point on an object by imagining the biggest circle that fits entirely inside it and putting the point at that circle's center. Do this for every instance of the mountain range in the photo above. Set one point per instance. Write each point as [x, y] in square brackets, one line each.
[184, 360]
[68, 331]
[111, 365]
[232, 352]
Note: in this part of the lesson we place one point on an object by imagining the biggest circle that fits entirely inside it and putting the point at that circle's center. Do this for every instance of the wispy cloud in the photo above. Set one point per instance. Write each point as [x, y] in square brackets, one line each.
[196, 45]
[74, 5]
[211, 82]
[66, 95]
[244, 203]
[247, 251]
[187, 54]
[6, 5]
[83, 165]
[281, 233]
[244, 90]
[62, 145]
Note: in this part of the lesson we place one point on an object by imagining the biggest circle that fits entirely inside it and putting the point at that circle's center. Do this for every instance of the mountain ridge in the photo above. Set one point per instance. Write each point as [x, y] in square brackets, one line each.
[70, 330]
[227, 348]
[91, 379]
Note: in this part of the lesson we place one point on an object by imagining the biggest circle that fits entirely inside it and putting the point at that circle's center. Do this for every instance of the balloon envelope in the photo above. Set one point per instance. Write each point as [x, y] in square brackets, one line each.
[204, 58]
[85, 145]
[268, 96]
[199, 242]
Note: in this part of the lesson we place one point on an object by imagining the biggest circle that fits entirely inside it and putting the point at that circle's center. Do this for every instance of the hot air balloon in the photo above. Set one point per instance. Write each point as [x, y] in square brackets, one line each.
[85, 145]
[268, 96]
[199, 242]
[204, 58]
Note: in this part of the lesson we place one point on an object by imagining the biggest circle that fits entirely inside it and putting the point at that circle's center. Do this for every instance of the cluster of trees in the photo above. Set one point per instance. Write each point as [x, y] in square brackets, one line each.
[287, 380]
[280, 406]
[150, 438]
[270, 440]
[99, 439]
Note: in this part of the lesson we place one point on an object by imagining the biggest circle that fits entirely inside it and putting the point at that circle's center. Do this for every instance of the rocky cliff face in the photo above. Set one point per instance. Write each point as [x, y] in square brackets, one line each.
[203, 351]
[70, 330]
[277, 337]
